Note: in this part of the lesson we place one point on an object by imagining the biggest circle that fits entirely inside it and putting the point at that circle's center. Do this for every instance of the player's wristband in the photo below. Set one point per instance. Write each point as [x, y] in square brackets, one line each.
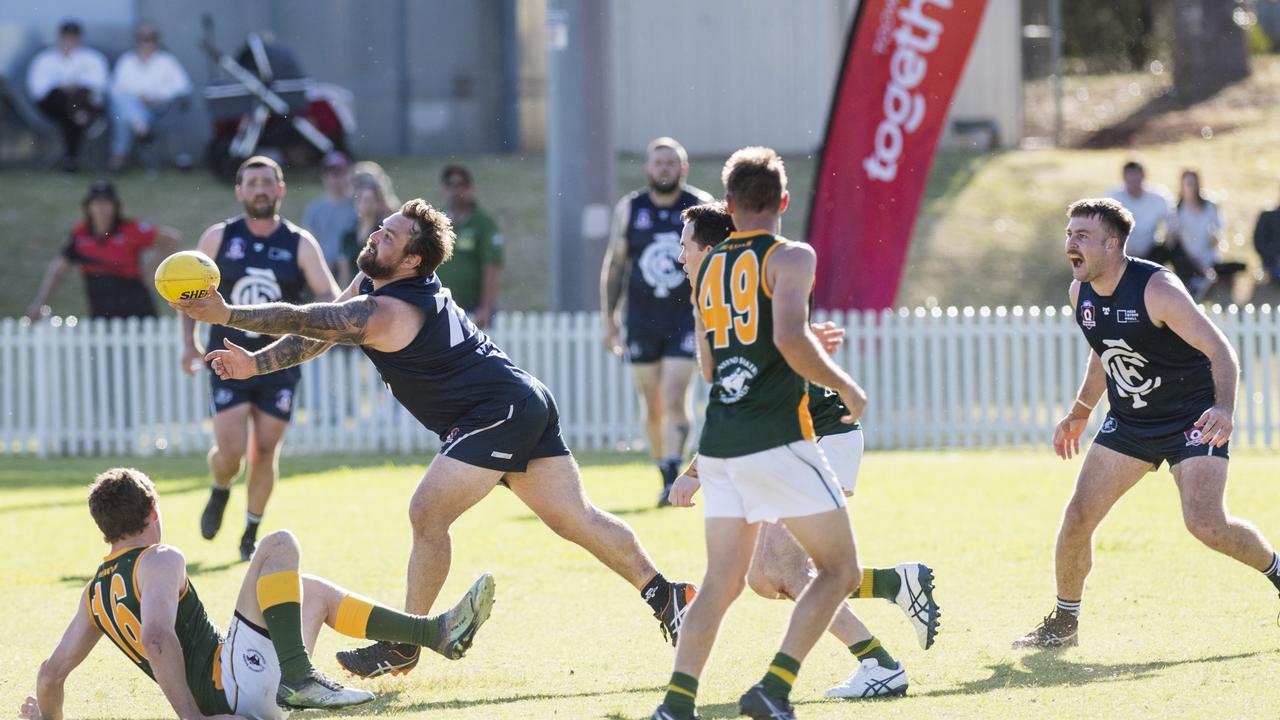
[1084, 404]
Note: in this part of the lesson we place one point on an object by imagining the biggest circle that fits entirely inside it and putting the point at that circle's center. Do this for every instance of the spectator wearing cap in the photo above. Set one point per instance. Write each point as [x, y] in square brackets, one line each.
[108, 247]
[473, 272]
[67, 82]
[147, 81]
[333, 214]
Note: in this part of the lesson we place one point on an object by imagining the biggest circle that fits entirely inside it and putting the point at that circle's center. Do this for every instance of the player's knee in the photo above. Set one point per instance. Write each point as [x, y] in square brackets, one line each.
[280, 541]
[763, 583]
[1077, 518]
[721, 591]
[226, 457]
[844, 572]
[426, 520]
[1208, 528]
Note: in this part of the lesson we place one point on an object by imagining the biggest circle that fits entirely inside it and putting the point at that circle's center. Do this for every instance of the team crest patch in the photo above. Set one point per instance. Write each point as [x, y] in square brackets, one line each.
[452, 436]
[1087, 320]
[1109, 426]
[644, 219]
[284, 399]
[235, 250]
[689, 343]
[1194, 436]
[733, 379]
[254, 660]
[221, 396]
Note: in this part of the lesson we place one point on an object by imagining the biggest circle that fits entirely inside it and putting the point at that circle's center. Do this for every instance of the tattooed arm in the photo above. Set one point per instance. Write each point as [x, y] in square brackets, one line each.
[286, 352]
[345, 323]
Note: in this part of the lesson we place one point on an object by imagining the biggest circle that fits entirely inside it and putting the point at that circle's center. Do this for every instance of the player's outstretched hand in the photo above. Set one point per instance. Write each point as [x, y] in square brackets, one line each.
[613, 339]
[234, 363]
[1066, 437]
[211, 308]
[683, 490]
[1215, 426]
[30, 710]
[829, 335]
[191, 360]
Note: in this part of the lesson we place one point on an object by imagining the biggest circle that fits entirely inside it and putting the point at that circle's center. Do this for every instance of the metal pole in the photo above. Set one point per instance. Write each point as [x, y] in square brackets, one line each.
[580, 153]
[1055, 59]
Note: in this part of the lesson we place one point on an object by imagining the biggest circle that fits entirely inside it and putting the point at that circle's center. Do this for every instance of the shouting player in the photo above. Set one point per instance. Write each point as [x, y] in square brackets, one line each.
[644, 244]
[141, 598]
[1170, 377]
[779, 567]
[262, 258]
[497, 422]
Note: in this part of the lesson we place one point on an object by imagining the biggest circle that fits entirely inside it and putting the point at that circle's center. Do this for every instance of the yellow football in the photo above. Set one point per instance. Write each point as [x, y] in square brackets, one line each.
[186, 275]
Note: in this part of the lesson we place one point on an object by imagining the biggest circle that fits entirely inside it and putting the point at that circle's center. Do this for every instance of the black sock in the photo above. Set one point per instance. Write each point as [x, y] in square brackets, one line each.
[670, 470]
[251, 523]
[1273, 572]
[657, 592]
[221, 492]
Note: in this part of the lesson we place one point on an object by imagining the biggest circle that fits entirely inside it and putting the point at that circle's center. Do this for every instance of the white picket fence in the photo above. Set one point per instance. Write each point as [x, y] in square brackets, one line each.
[936, 378]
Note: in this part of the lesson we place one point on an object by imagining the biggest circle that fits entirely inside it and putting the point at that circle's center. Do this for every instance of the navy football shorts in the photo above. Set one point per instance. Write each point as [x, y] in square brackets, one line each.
[273, 393]
[506, 435]
[1172, 448]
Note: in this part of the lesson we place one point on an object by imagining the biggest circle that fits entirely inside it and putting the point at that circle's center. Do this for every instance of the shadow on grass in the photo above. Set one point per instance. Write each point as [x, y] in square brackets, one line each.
[1047, 668]
[462, 703]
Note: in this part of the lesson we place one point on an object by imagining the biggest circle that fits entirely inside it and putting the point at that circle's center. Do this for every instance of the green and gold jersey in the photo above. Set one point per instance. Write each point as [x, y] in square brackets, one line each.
[115, 606]
[826, 410]
[757, 401]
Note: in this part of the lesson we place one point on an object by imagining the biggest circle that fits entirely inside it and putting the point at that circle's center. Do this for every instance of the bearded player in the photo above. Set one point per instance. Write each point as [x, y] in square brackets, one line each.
[142, 600]
[779, 568]
[497, 423]
[1170, 377]
[262, 258]
[644, 244]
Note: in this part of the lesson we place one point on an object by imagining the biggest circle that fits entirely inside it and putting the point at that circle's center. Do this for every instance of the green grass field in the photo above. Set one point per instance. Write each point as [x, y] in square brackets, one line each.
[1169, 629]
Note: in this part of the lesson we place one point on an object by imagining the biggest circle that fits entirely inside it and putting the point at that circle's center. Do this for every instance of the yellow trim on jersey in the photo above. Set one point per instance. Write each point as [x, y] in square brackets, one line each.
[279, 588]
[136, 562]
[353, 616]
[217, 666]
[121, 551]
[738, 235]
[783, 673]
[764, 264]
[806, 420]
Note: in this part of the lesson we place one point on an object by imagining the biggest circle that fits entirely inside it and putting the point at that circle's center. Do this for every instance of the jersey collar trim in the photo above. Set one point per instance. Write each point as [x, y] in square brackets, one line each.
[749, 233]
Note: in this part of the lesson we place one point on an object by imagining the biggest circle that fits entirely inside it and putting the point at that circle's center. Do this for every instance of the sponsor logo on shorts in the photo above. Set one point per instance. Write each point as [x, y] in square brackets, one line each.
[284, 399]
[633, 349]
[221, 396]
[1086, 315]
[500, 455]
[1109, 426]
[254, 660]
[1194, 436]
[733, 379]
[689, 343]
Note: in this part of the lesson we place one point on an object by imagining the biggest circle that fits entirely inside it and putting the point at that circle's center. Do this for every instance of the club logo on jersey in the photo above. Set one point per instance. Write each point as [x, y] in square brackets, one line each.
[258, 286]
[1086, 316]
[1125, 317]
[284, 399]
[733, 379]
[644, 219]
[1109, 426]
[1124, 366]
[254, 660]
[235, 249]
[1195, 437]
[660, 264]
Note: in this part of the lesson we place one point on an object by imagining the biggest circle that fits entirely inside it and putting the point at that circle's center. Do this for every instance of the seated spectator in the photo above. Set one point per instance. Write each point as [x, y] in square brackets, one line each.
[472, 273]
[1151, 207]
[1266, 240]
[372, 207]
[146, 84]
[1195, 229]
[67, 82]
[108, 247]
[331, 215]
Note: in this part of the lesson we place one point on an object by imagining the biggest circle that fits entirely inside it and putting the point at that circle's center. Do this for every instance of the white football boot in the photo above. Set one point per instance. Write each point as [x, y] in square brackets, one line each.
[870, 681]
[915, 597]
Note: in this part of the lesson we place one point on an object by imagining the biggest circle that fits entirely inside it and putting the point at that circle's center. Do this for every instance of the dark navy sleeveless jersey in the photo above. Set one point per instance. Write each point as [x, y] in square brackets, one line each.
[658, 291]
[450, 367]
[1156, 382]
[257, 270]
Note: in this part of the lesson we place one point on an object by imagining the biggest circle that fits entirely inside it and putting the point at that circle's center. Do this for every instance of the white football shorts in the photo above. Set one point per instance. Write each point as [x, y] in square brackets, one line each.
[844, 454]
[787, 481]
[250, 672]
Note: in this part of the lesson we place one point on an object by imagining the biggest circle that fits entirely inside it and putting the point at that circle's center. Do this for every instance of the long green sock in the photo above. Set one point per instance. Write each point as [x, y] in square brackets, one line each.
[280, 599]
[362, 618]
[879, 583]
[782, 673]
[872, 648]
[682, 693]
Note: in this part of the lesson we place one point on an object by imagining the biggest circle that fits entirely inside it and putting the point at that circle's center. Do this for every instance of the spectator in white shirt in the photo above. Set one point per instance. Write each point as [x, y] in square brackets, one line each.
[1195, 229]
[146, 83]
[67, 82]
[1151, 207]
